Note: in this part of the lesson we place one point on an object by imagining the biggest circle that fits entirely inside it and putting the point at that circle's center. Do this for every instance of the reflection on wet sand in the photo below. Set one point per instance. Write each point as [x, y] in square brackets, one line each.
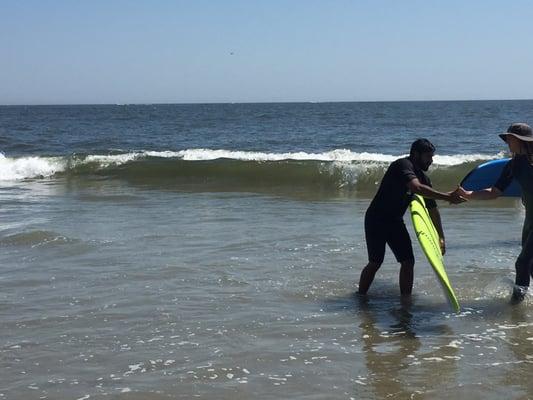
[403, 347]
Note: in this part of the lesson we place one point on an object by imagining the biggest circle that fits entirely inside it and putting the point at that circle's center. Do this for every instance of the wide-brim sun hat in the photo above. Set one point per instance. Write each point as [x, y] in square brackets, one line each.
[520, 130]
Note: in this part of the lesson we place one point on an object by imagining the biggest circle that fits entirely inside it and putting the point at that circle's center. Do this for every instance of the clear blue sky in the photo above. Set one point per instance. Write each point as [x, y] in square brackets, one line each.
[63, 52]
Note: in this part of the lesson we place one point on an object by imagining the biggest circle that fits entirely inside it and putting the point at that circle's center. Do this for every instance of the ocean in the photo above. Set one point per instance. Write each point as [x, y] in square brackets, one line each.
[213, 251]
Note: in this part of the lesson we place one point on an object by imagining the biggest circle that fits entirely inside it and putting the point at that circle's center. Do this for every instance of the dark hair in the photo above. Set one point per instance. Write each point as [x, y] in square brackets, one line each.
[422, 146]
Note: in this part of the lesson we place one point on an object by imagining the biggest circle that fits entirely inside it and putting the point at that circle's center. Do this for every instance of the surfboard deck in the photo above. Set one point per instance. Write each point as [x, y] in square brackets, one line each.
[486, 175]
[429, 241]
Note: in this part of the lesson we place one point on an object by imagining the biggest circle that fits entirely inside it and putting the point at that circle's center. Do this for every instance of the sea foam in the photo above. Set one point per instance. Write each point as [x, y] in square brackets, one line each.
[15, 169]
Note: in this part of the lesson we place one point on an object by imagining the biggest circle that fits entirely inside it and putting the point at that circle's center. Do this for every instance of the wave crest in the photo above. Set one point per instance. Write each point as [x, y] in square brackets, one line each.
[13, 169]
[334, 170]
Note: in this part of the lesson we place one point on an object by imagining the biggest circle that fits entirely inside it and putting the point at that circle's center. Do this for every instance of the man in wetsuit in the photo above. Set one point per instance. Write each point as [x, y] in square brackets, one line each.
[384, 217]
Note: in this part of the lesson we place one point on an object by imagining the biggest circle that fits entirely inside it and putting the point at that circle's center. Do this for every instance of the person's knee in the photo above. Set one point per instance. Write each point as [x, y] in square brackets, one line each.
[373, 265]
[408, 264]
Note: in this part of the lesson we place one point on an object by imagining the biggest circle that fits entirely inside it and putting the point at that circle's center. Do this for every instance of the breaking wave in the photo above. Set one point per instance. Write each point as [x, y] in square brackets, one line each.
[333, 170]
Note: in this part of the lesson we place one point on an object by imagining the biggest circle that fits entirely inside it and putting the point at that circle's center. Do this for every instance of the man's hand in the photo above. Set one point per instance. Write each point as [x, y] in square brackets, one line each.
[442, 244]
[460, 191]
[456, 197]
[483, 194]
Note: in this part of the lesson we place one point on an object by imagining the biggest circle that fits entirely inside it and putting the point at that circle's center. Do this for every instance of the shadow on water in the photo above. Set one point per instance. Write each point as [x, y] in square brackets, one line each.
[392, 312]
[400, 340]
[404, 341]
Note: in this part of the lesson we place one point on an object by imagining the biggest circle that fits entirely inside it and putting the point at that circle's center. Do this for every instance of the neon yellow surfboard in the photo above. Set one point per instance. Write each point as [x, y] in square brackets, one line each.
[429, 241]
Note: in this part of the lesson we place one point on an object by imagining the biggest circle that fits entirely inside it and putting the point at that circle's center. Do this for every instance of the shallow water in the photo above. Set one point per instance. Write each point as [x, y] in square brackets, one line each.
[110, 290]
[213, 251]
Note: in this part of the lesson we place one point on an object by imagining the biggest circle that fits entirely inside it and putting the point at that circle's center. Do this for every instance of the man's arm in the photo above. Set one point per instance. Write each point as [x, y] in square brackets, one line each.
[483, 194]
[435, 217]
[415, 186]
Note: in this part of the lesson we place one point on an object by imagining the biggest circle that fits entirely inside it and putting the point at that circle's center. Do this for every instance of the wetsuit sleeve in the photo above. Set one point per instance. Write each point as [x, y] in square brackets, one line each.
[506, 177]
[405, 170]
[430, 203]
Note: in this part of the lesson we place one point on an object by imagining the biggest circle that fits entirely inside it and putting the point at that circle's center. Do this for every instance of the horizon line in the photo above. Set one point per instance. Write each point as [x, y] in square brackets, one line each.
[253, 102]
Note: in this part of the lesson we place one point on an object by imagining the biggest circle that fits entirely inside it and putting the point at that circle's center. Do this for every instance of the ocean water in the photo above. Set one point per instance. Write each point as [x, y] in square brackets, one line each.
[213, 251]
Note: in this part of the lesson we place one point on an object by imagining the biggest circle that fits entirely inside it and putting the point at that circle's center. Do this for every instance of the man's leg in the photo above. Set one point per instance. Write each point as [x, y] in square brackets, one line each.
[375, 235]
[406, 277]
[367, 276]
[400, 244]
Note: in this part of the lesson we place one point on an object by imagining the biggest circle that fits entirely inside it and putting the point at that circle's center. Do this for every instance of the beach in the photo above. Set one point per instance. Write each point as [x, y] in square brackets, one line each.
[213, 251]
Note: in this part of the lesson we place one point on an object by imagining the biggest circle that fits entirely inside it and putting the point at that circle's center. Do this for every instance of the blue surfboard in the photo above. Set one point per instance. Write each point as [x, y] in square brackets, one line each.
[486, 175]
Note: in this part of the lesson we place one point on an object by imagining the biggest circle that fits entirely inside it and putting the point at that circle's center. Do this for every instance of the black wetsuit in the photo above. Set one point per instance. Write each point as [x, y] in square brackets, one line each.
[384, 217]
[520, 169]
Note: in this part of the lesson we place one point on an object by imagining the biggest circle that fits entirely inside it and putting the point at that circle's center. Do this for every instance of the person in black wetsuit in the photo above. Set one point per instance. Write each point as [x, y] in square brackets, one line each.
[519, 138]
[384, 217]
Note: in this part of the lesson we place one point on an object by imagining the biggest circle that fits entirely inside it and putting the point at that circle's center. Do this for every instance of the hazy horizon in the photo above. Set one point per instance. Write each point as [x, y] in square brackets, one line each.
[259, 102]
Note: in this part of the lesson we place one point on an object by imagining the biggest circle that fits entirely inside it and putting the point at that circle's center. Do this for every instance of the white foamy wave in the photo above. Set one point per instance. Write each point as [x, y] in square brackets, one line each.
[339, 155]
[334, 155]
[14, 169]
[351, 162]
[457, 159]
[164, 154]
[108, 160]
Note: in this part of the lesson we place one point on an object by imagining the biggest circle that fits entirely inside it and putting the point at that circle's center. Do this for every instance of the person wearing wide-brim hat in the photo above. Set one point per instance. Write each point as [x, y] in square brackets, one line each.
[519, 138]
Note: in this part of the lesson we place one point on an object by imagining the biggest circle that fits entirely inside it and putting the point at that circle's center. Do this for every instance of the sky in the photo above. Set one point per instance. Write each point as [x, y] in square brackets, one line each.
[109, 52]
